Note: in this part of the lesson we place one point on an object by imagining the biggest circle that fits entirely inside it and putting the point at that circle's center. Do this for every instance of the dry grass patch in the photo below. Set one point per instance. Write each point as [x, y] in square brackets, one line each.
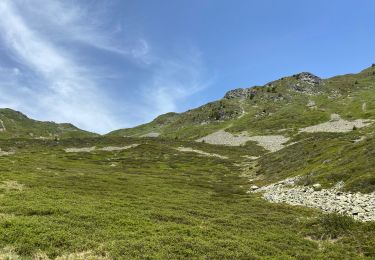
[93, 148]
[80, 150]
[88, 255]
[4, 153]
[11, 186]
[117, 148]
[9, 253]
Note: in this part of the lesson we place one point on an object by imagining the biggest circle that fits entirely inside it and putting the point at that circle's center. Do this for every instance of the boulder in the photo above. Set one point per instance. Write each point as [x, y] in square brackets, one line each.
[317, 186]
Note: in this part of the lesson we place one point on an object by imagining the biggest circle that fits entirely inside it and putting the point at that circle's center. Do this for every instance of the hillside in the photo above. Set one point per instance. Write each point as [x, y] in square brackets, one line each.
[322, 129]
[14, 124]
[126, 198]
[284, 105]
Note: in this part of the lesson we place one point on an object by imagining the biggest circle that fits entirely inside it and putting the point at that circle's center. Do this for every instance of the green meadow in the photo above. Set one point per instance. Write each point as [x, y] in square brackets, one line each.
[155, 202]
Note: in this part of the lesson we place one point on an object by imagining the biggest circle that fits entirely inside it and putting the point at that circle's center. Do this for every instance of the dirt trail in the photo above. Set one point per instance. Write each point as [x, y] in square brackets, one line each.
[243, 112]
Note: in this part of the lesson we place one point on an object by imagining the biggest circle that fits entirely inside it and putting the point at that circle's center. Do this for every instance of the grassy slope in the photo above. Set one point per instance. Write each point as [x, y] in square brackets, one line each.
[271, 109]
[19, 126]
[325, 158]
[156, 203]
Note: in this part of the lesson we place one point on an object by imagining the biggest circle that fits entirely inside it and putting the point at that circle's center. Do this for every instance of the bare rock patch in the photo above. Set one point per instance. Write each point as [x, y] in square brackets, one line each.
[188, 149]
[222, 137]
[358, 205]
[272, 143]
[337, 125]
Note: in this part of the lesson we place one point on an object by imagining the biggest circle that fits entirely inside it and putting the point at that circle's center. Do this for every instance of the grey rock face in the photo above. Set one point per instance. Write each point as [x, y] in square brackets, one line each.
[307, 83]
[308, 78]
[240, 93]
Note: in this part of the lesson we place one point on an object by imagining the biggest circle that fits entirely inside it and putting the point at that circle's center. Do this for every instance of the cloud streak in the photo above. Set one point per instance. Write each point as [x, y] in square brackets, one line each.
[45, 77]
[65, 90]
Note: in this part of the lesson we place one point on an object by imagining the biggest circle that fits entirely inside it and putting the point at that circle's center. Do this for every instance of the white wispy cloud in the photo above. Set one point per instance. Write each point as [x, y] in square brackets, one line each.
[49, 80]
[174, 80]
[65, 90]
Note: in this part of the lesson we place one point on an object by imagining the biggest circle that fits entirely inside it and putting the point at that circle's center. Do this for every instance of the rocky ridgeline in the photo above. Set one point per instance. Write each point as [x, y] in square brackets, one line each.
[358, 205]
[306, 83]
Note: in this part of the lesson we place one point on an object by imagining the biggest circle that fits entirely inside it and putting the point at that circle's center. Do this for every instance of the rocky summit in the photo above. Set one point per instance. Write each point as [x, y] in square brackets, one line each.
[309, 78]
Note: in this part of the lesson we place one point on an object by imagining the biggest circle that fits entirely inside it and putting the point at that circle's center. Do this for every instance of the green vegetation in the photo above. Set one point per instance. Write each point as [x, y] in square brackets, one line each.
[152, 201]
[283, 107]
[14, 124]
[325, 158]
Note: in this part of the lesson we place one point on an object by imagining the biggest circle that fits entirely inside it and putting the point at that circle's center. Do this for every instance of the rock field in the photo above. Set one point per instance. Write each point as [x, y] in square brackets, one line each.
[359, 206]
[272, 143]
[336, 125]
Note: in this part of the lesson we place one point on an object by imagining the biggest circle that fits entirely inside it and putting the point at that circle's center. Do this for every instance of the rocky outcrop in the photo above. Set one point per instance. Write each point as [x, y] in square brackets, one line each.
[240, 93]
[307, 83]
[359, 206]
[309, 78]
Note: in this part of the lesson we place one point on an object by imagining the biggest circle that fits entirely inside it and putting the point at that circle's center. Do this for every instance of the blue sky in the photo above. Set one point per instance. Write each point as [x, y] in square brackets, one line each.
[103, 65]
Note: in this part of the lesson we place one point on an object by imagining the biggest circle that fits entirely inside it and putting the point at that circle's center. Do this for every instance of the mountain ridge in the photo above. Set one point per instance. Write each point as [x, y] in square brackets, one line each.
[14, 124]
[285, 91]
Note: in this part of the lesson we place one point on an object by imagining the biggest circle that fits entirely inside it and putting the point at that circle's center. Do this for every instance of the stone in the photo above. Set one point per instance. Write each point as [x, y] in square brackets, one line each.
[317, 186]
[254, 187]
